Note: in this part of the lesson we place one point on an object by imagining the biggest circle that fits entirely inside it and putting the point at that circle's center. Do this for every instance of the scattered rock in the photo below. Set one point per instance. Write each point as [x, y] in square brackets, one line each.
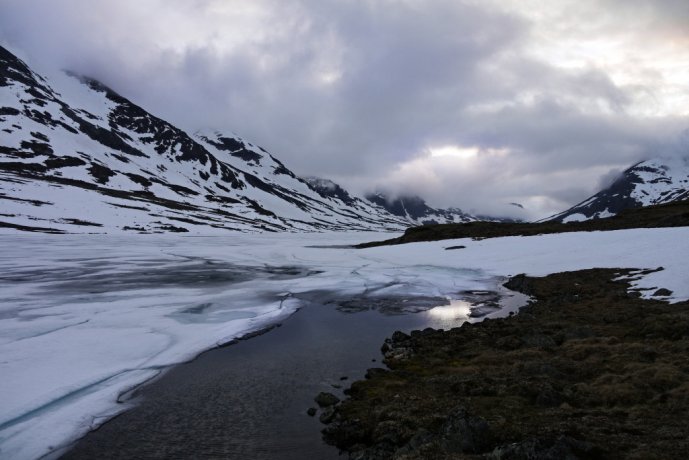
[538, 340]
[421, 438]
[519, 283]
[391, 433]
[399, 336]
[547, 396]
[326, 399]
[397, 347]
[311, 411]
[375, 372]
[327, 416]
[561, 448]
[455, 247]
[465, 433]
[662, 292]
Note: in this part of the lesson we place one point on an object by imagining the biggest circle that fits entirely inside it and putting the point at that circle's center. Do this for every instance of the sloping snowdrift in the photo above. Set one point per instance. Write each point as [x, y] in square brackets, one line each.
[85, 317]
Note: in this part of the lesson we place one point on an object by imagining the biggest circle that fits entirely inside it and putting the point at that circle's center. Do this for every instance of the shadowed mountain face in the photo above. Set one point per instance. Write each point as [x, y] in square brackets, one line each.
[416, 211]
[649, 182]
[75, 156]
[412, 209]
[329, 189]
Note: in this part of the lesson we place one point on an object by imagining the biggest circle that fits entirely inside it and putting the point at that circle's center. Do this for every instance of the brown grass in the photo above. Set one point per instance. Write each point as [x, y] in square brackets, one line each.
[560, 367]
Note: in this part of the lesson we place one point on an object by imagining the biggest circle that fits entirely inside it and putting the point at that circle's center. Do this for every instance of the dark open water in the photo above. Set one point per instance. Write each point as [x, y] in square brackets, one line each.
[249, 400]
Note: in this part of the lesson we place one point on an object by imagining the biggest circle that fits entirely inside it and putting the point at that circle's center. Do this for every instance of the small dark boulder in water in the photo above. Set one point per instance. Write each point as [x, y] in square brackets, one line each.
[326, 399]
[327, 416]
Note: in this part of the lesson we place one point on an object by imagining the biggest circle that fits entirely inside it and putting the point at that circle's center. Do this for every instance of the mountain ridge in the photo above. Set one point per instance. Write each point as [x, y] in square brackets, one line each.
[415, 209]
[649, 182]
[77, 156]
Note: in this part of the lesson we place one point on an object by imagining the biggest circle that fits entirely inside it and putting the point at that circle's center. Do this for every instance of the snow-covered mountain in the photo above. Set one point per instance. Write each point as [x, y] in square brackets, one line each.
[655, 181]
[77, 157]
[415, 210]
[330, 190]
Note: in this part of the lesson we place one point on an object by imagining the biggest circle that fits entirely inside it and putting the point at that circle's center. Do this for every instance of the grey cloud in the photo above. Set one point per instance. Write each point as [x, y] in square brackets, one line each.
[609, 178]
[654, 13]
[408, 76]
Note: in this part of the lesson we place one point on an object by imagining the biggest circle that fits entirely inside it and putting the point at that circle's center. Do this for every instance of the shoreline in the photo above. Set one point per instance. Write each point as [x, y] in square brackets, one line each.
[589, 369]
[274, 375]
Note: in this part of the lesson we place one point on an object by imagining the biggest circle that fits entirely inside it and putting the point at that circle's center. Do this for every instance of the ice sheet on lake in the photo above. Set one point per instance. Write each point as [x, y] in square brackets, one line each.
[85, 317]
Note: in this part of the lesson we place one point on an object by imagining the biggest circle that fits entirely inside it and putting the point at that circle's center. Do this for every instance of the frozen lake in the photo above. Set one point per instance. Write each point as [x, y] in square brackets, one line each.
[84, 318]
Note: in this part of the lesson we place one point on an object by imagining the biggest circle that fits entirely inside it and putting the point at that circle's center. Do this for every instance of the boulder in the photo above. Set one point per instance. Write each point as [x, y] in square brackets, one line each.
[326, 399]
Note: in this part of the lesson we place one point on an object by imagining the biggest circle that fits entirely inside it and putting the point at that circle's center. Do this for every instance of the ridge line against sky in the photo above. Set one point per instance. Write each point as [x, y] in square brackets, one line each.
[468, 104]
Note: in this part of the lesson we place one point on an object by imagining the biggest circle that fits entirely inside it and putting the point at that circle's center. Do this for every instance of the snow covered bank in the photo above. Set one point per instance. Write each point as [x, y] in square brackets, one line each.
[545, 254]
[83, 318]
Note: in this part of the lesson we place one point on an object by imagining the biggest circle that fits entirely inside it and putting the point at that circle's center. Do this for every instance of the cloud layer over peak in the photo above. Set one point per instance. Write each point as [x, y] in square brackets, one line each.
[360, 92]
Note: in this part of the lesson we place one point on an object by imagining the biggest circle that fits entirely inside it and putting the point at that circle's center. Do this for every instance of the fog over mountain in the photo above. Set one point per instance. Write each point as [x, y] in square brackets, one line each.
[467, 104]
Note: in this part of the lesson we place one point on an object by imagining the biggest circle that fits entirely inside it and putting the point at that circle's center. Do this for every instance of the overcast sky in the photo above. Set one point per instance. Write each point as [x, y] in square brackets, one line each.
[473, 104]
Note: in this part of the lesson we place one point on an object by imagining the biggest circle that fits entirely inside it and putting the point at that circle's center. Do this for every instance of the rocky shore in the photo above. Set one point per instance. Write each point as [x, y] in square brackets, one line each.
[587, 370]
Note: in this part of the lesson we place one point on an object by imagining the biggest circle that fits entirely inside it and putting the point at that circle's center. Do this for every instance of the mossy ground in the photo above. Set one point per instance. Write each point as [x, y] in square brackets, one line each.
[587, 359]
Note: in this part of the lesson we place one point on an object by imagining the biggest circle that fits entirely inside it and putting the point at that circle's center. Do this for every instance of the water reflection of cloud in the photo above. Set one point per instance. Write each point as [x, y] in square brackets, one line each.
[449, 316]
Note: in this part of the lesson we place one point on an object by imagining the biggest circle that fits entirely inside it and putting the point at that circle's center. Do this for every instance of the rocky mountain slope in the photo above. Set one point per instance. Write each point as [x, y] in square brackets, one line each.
[415, 210]
[77, 157]
[412, 209]
[655, 181]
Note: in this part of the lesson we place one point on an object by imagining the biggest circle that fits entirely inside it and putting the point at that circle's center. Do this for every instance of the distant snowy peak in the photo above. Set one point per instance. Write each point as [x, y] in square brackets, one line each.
[654, 181]
[415, 210]
[329, 189]
[75, 156]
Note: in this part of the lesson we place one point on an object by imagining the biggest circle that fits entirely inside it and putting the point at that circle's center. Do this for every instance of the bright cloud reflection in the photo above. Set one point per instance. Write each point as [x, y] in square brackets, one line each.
[449, 316]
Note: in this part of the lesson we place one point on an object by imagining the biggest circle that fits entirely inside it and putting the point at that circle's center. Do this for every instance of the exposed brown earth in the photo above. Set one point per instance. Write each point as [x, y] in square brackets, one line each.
[674, 214]
[586, 370]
